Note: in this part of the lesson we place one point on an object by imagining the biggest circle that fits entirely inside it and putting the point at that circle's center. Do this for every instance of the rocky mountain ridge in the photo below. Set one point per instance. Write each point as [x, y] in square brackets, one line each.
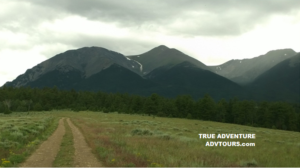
[162, 70]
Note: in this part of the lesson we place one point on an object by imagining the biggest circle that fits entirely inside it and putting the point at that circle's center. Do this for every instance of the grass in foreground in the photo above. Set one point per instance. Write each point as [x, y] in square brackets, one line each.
[21, 133]
[120, 140]
[65, 156]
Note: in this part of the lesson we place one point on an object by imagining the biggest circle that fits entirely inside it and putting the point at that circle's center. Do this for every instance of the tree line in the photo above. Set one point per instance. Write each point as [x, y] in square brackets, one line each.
[278, 115]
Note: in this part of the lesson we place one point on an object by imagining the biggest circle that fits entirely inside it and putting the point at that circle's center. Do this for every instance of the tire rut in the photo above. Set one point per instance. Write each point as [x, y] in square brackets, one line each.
[83, 156]
[46, 153]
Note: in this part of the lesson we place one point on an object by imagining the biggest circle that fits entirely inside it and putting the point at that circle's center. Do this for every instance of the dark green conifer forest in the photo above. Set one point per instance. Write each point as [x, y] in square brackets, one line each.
[277, 115]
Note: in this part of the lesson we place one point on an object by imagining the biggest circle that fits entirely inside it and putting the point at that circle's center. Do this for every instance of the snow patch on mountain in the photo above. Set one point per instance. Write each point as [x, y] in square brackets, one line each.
[141, 66]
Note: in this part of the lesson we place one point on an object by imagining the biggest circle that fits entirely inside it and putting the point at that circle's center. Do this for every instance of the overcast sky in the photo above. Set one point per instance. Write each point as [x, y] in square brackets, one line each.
[212, 31]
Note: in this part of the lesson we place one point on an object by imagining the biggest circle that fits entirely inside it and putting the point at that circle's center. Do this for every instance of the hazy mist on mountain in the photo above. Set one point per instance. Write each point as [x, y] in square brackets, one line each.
[246, 70]
[281, 82]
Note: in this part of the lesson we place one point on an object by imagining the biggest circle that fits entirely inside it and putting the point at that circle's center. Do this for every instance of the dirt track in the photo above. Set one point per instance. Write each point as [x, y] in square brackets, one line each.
[46, 153]
[83, 154]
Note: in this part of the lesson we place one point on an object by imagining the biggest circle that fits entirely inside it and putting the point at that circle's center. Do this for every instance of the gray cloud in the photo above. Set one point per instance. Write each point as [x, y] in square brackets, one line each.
[127, 46]
[170, 17]
[123, 46]
[29, 29]
[223, 17]
[193, 17]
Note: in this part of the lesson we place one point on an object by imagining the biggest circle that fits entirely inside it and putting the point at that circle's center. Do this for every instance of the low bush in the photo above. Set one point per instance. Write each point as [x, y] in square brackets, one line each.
[141, 132]
[251, 163]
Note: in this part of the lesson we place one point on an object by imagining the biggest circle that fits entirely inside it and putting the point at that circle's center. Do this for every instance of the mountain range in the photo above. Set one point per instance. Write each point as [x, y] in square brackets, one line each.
[280, 83]
[169, 72]
[245, 71]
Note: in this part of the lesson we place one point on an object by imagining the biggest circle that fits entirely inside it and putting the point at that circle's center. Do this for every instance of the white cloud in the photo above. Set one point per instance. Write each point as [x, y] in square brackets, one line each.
[16, 62]
[80, 25]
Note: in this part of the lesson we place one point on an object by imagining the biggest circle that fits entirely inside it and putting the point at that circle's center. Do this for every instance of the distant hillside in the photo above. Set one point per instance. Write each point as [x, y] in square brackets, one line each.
[116, 79]
[187, 78]
[246, 70]
[80, 64]
[281, 82]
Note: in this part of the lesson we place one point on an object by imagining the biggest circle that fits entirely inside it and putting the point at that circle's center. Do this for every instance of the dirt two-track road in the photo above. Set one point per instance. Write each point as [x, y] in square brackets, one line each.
[46, 153]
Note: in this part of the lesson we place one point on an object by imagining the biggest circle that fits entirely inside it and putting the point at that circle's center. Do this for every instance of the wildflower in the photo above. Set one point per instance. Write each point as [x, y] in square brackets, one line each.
[113, 160]
[5, 163]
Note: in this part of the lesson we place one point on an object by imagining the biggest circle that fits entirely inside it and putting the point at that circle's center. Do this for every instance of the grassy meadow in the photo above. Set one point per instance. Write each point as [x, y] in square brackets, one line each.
[136, 140]
[21, 133]
[120, 140]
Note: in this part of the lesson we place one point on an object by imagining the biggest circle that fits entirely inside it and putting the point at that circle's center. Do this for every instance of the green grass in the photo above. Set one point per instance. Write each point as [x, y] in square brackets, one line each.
[65, 156]
[22, 133]
[121, 140]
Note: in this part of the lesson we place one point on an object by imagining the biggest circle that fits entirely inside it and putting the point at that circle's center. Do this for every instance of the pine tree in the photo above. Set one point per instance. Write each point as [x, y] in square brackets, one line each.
[221, 111]
[184, 105]
[291, 121]
[136, 104]
[2, 107]
[7, 104]
[169, 108]
[250, 111]
[149, 107]
[261, 112]
[298, 121]
[157, 100]
[229, 118]
[278, 111]
[207, 108]
[267, 116]
[238, 114]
